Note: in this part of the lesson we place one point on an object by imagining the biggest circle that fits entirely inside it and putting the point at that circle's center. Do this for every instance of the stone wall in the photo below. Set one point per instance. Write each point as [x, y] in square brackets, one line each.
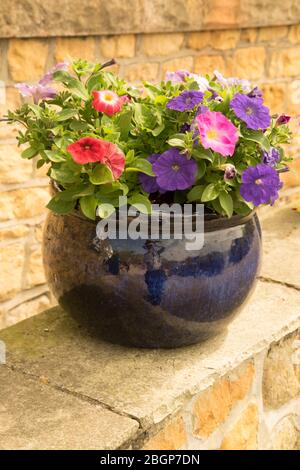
[255, 406]
[257, 40]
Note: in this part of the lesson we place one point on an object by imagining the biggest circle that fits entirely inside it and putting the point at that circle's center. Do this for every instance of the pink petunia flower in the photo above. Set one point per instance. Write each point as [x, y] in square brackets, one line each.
[107, 102]
[91, 150]
[217, 133]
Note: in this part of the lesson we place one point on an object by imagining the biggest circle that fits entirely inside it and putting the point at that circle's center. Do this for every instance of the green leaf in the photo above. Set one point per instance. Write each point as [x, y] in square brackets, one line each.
[94, 81]
[36, 109]
[74, 85]
[88, 205]
[55, 156]
[130, 156]
[203, 154]
[210, 193]
[30, 152]
[101, 174]
[201, 169]
[141, 203]
[59, 205]
[256, 136]
[66, 173]
[66, 114]
[226, 203]
[123, 123]
[78, 125]
[141, 165]
[195, 193]
[176, 143]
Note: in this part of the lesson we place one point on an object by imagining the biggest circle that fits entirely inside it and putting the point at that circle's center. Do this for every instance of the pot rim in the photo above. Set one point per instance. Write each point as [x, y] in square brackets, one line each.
[212, 222]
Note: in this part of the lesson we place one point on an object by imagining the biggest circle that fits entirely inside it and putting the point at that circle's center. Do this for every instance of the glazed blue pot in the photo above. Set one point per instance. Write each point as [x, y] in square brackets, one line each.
[147, 293]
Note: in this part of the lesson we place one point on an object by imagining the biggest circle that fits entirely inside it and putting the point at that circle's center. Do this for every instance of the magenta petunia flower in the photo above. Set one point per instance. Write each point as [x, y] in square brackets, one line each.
[217, 133]
[283, 119]
[174, 171]
[251, 111]
[260, 184]
[187, 100]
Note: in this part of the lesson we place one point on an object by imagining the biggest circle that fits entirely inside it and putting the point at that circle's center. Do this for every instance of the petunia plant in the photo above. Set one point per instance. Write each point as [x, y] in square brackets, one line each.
[189, 139]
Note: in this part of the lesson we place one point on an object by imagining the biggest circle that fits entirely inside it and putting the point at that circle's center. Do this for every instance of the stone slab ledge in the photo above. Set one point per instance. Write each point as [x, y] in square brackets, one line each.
[64, 389]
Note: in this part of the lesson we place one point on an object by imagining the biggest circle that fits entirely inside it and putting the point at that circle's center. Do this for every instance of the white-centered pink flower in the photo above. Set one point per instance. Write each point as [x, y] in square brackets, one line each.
[107, 102]
[217, 133]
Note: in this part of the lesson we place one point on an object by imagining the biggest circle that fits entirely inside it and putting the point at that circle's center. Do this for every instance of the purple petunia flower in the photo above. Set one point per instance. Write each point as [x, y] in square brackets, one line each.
[37, 92]
[174, 171]
[283, 119]
[42, 90]
[272, 157]
[48, 77]
[251, 111]
[177, 77]
[255, 93]
[149, 183]
[185, 128]
[187, 100]
[232, 81]
[260, 184]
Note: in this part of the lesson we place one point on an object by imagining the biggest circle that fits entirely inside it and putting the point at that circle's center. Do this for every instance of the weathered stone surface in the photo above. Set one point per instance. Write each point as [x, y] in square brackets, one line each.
[214, 405]
[143, 71]
[25, 310]
[35, 417]
[199, 40]
[11, 101]
[35, 271]
[27, 58]
[285, 62]
[272, 34]
[184, 63]
[292, 178]
[11, 262]
[243, 435]
[161, 44]
[35, 18]
[275, 96]
[294, 34]
[74, 48]
[281, 240]
[117, 46]
[15, 231]
[23, 203]
[248, 35]
[148, 384]
[172, 437]
[225, 40]
[286, 434]
[209, 63]
[281, 378]
[13, 168]
[249, 63]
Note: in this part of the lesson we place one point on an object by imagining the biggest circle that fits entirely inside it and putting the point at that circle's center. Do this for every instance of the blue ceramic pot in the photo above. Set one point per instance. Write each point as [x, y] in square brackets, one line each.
[152, 293]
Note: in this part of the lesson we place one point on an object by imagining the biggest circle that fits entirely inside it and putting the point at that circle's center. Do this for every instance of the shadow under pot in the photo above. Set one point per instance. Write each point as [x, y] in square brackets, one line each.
[152, 293]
